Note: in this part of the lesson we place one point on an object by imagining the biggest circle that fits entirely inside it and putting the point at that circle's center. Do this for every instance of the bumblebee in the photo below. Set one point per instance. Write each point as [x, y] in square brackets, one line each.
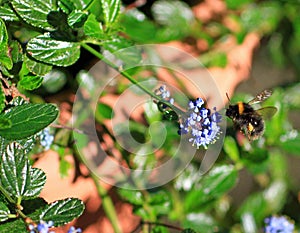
[249, 121]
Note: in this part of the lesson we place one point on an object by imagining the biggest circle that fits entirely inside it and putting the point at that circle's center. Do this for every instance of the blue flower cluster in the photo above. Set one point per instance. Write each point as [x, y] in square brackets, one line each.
[163, 93]
[44, 227]
[278, 224]
[46, 138]
[74, 230]
[201, 124]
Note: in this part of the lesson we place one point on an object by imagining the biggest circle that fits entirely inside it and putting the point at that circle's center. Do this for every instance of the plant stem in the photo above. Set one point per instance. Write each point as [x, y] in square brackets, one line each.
[107, 203]
[129, 77]
[6, 194]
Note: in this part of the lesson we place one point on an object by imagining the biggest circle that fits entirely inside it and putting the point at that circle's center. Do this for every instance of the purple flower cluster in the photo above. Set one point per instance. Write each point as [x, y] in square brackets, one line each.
[201, 124]
[278, 224]
[46, 139]
[44, 227]
[163, 93]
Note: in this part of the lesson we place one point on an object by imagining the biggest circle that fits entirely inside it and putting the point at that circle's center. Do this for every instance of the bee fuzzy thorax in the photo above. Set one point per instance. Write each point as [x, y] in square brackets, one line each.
[248, 120]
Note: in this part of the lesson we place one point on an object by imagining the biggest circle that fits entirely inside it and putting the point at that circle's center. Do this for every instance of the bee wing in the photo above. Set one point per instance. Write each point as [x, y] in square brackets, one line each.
[265, 94]
[267, 112]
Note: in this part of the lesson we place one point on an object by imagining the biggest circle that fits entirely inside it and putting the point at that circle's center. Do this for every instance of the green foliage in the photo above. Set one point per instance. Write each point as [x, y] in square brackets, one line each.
[28, 119]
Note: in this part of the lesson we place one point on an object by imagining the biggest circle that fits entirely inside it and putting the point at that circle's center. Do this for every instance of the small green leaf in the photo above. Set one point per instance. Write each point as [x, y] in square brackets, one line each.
[218, 181]
[7, 14]
[2, 98]
[55, 52]
[4, 212]
[15, 171]
[30, 82]
[37, 67]
[230, 147]
[138, 27]
[173, 15]
[5, 123]
[28, 119]
[292, 146]
[62, 211]
[54, 80]
[4, 57]
[93, 28]
[77, 18]
[16, 51]
[103, 111]
[111, 10]
[134, 197]
[35, 12]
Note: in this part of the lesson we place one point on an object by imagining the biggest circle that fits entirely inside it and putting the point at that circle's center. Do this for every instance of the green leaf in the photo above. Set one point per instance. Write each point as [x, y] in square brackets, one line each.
[4, 57]
[5, 123]
[77, 18]
[213, 185]
[123, 50]
[35, 12]
[67, 6]
[18, 178]
[292, 145]
[46, 49]
[111, 10]
[30, 82]
[16, 51]
[54, 80]
[62, 211]
[2, 98]
[17, 225]
[103, 111]
[188, 230]
[7, 14]
[134, 197]
[93, 28]
[37, 182]
[201, 222]
[231, 148]
[28, 119]
[4, 212]
[15, 171]
[139, 28]
[173, 15]
[37, 67]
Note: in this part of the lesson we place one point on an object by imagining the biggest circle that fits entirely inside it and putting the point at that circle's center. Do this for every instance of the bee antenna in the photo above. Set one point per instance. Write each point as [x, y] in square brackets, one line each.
[228, 97]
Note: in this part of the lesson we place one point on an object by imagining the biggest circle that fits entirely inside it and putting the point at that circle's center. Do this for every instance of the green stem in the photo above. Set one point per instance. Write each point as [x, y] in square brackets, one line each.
[129, 77]
[107, 203]
[6, 194]
[11, 200]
